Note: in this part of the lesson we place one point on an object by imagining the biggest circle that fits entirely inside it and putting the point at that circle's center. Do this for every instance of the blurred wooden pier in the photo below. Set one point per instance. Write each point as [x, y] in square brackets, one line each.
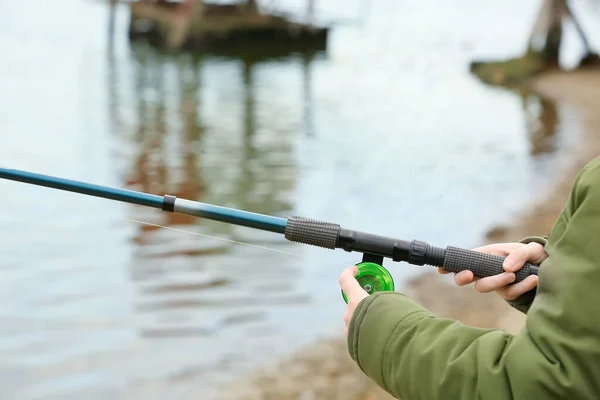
[198, 25]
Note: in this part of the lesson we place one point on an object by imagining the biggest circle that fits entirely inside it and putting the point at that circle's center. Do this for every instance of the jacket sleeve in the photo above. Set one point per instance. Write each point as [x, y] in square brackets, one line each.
[414, 355]
[523, 302]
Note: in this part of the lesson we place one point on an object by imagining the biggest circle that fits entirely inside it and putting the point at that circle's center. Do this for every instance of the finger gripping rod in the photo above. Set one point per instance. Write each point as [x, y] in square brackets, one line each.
[453, 259]
[295, 229]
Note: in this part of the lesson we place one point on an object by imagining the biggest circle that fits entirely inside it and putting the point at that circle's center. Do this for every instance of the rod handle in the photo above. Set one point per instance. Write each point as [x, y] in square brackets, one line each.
[313, 232]
[481, 264]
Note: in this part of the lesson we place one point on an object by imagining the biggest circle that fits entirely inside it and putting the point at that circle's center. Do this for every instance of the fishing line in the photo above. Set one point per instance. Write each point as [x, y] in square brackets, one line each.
[372, 276]
[233, 241]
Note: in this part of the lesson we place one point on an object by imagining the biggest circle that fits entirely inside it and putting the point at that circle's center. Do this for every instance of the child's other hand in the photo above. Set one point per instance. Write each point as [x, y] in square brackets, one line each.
[517, 254]
[354, 292]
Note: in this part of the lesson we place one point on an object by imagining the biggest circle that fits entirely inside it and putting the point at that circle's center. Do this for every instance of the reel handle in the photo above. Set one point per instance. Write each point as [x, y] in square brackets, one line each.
[373, 278]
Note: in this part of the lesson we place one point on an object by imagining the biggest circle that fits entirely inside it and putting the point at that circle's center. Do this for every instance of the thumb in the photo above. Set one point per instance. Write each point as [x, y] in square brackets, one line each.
[532, 252]
[349, 284]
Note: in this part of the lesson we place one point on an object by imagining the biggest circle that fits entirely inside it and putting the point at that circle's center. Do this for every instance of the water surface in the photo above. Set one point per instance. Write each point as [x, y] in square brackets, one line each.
[385, 132]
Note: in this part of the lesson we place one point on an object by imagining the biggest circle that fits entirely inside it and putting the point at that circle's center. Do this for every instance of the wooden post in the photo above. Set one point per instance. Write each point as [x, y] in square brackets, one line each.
[111, 22]
[174, 24]
[252, 6]
[186, 14]
[310, 12]
[586, 44]
[546, 35]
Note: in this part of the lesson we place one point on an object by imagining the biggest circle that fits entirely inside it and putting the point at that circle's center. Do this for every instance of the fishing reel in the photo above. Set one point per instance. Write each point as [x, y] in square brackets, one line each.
[372, 276]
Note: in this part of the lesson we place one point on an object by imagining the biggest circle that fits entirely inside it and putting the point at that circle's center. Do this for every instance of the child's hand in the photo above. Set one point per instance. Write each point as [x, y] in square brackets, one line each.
[354, 292]
[517, 254]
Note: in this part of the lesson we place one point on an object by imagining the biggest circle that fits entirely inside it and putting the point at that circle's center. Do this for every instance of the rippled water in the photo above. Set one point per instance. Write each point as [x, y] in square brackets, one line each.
[385, 132]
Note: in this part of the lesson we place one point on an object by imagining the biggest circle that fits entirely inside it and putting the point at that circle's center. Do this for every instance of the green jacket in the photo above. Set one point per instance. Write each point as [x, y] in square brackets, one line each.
[413, 354]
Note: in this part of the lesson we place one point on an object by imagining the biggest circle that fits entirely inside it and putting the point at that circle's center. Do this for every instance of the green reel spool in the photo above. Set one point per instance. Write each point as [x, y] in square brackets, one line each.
[373, 278]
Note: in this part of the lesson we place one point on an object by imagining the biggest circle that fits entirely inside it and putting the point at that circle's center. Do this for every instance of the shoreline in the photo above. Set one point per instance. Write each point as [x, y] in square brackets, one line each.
[326, 371]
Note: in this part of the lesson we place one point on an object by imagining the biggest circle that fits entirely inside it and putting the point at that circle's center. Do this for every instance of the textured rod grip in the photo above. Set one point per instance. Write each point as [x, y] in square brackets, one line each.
[310, 231]
[480, 264]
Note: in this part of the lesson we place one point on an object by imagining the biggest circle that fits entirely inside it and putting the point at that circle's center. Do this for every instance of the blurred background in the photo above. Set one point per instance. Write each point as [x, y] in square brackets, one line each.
[364, 113]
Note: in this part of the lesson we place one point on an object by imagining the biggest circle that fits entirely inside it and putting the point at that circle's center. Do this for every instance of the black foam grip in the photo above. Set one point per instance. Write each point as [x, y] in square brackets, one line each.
[480, 264]
[313, 232]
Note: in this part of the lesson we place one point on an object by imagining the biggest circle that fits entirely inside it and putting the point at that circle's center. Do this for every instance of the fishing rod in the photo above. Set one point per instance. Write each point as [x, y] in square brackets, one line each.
[372, 276]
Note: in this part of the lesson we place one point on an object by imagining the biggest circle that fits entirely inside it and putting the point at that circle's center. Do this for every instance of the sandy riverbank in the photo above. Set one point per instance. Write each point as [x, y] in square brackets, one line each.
[325, 371]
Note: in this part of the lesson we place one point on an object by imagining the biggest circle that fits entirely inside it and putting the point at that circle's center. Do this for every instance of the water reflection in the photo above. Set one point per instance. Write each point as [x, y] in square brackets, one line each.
[190, 284]
[307, 98]
[541, 116]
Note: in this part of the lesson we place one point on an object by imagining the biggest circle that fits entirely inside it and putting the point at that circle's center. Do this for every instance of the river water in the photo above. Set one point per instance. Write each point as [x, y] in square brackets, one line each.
[386, 132]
